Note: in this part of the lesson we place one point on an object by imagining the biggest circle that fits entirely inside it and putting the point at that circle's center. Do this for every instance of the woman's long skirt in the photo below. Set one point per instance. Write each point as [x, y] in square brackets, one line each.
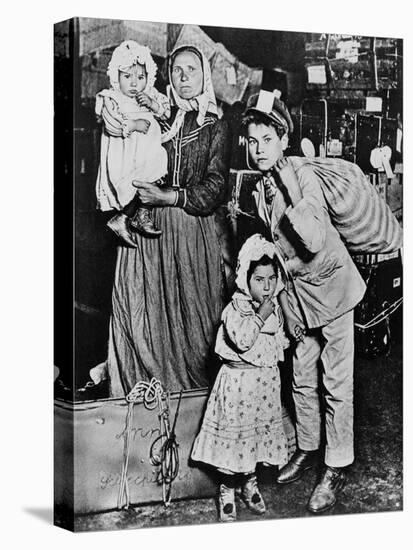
[166, 305]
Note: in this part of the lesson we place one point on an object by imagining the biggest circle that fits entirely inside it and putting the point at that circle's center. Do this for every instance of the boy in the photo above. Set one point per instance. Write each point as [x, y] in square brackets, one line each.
[323, 287]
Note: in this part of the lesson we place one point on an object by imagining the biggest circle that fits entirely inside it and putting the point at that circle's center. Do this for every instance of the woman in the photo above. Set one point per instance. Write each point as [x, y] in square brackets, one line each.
[168, 292]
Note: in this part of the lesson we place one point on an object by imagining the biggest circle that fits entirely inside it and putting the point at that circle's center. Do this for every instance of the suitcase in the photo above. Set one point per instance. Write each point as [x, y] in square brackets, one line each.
[89, 453]
[233, 116]
[371, 132]
[382, 302]
[242, 209]
[326, 124]
[353, 62]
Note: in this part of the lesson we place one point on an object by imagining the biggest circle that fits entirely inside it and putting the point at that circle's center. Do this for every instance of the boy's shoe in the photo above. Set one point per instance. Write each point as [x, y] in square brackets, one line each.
[298, 464]
[143, 223]
[325, 493]
[119, 225]
[226, 504]
[252, 497]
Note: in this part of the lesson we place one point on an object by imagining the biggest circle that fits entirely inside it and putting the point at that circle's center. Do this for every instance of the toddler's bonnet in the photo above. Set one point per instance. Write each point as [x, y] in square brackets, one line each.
[127, 54]
[252, 250]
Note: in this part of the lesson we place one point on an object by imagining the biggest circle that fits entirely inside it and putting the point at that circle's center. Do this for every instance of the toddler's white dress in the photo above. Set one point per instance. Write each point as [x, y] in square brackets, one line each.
[124, 158]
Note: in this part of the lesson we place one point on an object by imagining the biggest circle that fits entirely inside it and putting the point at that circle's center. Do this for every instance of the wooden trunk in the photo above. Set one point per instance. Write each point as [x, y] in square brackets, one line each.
[89, 446]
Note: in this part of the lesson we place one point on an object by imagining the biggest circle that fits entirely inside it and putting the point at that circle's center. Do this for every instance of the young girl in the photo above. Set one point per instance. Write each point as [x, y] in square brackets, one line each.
[243, 420]
[131, 139]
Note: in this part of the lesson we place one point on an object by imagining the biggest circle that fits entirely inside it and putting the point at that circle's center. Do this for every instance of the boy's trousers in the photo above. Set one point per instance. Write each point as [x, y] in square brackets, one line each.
[334, 345]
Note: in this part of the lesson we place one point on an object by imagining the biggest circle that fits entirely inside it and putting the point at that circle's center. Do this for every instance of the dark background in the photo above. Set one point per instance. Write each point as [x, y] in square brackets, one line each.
[283, 57]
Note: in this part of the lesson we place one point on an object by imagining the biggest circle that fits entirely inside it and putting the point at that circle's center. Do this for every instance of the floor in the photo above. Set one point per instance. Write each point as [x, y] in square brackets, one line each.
[374, 480]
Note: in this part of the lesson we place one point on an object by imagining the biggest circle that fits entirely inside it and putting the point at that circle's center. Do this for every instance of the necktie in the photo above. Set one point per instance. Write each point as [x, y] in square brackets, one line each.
[269, 189]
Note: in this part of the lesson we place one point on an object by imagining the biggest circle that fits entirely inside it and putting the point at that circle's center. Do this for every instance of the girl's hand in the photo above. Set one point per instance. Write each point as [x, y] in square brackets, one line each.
[144, 100]
[288, 177]
[266, 308]
[151, 195]
[142, 125]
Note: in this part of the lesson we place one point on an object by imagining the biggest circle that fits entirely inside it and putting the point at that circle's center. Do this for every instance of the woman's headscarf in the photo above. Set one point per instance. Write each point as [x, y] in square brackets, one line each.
[127, 54]
[203, 103]
[252, 250]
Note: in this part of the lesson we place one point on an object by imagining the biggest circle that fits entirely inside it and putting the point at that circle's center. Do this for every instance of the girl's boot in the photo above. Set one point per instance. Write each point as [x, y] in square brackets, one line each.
[226, 503]
[251, 495]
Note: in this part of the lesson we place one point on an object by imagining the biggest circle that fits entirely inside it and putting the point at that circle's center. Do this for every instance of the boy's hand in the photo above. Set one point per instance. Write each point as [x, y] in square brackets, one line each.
[266, 308]
[295, 330]
[144, 100]
[294, 324]
[142, 125]
[288, 177]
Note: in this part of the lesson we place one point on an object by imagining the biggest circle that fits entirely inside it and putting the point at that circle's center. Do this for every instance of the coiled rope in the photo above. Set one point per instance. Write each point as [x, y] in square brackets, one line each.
[167, 458]
[152, 395]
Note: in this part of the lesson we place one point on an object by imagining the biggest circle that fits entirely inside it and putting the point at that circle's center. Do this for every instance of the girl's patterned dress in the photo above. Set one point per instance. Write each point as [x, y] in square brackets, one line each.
[243, 419]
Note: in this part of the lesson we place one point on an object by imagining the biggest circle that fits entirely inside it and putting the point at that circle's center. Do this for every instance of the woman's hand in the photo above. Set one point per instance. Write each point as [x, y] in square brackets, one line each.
[151, 195]
[288, 177]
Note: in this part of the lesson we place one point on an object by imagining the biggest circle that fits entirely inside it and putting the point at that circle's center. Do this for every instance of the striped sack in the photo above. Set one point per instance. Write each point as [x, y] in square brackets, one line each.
[364, 220]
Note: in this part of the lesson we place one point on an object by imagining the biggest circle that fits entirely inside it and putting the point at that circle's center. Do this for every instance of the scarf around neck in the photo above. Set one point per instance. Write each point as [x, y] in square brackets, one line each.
[203, 103]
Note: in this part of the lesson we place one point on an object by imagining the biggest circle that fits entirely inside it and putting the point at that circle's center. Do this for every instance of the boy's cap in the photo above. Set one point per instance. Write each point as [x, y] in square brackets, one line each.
[276, 110]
